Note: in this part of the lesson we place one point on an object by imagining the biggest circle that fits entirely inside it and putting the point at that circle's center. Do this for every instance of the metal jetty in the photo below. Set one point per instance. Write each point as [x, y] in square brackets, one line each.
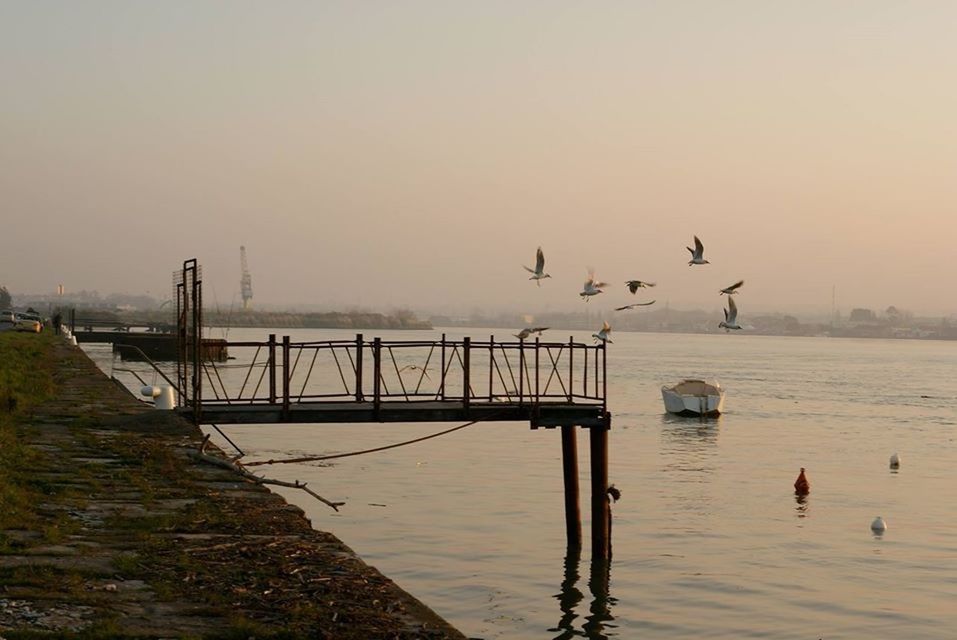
[548, 384]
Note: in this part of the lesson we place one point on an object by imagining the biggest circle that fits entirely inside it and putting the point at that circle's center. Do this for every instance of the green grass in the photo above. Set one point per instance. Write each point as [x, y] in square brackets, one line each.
[26, 378]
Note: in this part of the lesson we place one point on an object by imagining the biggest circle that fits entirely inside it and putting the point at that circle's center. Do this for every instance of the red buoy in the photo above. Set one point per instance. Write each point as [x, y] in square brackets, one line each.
[801, 486]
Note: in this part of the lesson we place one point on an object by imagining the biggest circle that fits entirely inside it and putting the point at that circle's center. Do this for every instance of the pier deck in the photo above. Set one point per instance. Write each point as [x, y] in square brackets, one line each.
[548, 415]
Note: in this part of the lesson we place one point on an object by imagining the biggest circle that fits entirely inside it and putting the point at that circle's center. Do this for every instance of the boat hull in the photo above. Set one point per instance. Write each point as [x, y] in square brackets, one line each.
[702, 399]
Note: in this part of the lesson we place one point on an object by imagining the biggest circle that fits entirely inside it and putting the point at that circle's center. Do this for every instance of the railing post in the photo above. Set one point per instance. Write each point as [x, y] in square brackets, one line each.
[466, 370]
[377, 372]
[521, 371]
[442, 387]
[285, 377]
[571, 366]
[536, 369]
[272, 368]
[596, 366]
[358, 367]
[604, 373]
[491, 365]
[72, 320]
[585, 372]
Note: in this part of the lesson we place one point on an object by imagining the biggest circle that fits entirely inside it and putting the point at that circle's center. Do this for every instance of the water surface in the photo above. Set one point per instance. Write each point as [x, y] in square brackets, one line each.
[709, 539]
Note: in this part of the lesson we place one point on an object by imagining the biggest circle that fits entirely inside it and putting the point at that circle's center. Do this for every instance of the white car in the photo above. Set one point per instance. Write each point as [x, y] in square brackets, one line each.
[28, 322]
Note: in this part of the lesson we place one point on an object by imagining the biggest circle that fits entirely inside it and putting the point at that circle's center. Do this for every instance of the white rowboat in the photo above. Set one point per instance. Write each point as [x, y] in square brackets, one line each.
[694, 398]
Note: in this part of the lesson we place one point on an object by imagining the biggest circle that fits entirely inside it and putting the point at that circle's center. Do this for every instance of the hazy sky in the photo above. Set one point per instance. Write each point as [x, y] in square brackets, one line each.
[416, 153]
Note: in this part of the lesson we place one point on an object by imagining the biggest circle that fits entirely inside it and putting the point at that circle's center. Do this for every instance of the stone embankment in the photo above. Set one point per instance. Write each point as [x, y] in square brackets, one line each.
[126, 535]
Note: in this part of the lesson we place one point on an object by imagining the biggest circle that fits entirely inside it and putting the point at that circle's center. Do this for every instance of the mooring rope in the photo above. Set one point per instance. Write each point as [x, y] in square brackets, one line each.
[364, 451]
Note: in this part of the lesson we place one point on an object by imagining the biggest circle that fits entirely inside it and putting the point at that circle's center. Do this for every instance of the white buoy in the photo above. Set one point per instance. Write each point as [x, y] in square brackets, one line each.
[878, 526]
[73, 341]
[895, 461]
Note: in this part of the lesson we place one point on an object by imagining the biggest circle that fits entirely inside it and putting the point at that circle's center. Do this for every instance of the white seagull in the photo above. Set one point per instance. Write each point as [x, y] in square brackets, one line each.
[634, 285]
[591, 288]
[539, 271]
[632, 306]
[603, 334]
[527, 331]
[732, 289]
[697, 254]
[730, 317]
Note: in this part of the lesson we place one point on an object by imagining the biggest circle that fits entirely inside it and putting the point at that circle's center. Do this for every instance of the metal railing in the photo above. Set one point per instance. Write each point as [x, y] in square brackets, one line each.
[281, 372]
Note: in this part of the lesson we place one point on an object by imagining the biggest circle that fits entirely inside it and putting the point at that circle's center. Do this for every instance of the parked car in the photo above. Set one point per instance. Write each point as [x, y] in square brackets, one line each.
[8, 320]
[28, 322]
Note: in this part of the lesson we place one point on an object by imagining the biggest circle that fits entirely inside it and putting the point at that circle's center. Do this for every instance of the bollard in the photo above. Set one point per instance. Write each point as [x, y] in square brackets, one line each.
[163, 397]
[166, 400]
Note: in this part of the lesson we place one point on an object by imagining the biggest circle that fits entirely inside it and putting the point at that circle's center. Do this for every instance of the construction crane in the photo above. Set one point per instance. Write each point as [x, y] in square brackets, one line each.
[246, 282]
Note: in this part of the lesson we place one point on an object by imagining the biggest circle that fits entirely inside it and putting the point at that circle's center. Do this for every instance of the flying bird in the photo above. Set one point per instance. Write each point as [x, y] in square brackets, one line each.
[603, 334]
[730, 317]
[634, 285]
[632, 306]
[527, 331]
[732, 289]
[697, 254]
[591, 288]
[539, 271]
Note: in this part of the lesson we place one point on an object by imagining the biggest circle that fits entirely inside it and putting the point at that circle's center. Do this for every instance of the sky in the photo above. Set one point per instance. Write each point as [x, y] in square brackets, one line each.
[415, 154]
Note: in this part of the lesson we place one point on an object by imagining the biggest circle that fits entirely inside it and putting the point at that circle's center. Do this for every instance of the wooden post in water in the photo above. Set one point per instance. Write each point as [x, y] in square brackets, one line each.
[573, 516]
[600, 540]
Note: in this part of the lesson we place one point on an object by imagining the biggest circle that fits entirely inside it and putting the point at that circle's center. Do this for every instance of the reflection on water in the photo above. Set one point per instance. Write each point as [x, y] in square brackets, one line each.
[802, 505]
[691, 432]
[597, 623]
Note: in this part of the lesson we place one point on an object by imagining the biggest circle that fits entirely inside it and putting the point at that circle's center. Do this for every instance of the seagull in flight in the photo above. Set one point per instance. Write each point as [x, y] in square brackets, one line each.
[632, 306]
[697, 254]
[527, 331]
[732, 289]
[634, 285]
[603, 334]
[730, 317]
[591, 288]
[539, 271]
[415, 367]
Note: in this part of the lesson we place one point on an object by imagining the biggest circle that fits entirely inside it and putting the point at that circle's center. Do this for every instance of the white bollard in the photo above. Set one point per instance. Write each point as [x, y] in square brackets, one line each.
[73, 341]
[163, 397]
[166, 400]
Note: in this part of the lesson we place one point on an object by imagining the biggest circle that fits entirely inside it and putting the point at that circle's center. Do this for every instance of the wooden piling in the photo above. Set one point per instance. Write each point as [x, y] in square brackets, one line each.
[600, 541]
[573, 516]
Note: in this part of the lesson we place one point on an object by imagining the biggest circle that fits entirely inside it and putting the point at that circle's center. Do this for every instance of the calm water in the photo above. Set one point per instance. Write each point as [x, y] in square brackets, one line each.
[709, 541]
